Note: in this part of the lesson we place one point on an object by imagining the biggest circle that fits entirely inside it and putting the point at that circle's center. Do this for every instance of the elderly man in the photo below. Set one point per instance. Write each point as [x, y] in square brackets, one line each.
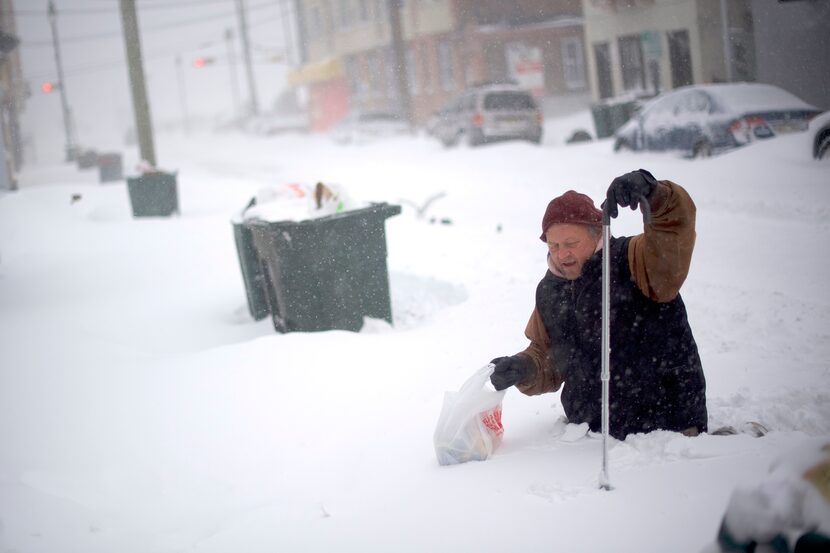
[657, 380]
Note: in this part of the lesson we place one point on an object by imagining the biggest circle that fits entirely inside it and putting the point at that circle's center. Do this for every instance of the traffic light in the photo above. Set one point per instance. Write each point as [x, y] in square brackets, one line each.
[48, 86]
[200, 62]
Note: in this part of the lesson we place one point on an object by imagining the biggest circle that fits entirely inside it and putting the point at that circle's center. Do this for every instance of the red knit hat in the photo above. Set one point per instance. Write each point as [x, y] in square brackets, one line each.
[572, 208]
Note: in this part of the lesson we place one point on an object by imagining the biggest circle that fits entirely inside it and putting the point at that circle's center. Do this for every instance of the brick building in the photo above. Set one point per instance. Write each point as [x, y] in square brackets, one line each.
[349, 61]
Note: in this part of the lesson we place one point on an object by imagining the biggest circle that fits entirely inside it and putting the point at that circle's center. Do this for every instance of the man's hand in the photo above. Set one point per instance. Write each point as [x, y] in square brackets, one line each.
[509, 371]
[626, 190]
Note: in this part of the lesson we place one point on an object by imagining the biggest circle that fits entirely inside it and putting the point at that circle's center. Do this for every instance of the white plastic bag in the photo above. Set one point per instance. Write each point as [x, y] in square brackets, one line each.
[469, 428]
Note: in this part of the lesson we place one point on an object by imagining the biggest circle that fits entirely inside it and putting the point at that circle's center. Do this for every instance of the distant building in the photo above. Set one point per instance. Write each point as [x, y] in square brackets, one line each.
[349, 59]
[643, 47]
[12, 97]
[793, 47]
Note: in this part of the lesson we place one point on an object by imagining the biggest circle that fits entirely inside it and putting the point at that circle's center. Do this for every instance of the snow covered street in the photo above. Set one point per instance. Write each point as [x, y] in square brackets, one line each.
[143, 410]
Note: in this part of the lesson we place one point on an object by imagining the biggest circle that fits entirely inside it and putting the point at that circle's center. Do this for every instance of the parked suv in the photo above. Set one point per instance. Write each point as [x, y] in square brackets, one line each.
[360, 127]
[488, 113]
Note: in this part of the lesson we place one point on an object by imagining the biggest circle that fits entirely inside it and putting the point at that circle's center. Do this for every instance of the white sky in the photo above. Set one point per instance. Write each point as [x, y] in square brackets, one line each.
[97, 88]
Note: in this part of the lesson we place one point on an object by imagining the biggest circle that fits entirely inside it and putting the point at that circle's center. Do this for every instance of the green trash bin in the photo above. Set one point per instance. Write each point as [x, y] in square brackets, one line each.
[326, 273]
[87, 159]
[153, 194]
[620, 113]
[610, 116]
[250, 264]
[110, 168]
[602, 122]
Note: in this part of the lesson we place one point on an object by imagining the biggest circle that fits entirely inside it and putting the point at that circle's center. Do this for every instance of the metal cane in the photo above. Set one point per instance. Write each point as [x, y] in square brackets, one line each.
[605, 376]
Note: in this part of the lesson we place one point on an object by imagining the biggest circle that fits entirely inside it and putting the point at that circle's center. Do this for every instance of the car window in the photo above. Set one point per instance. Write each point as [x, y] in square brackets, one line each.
[677, 103]
[698, 102]
[508, 100]
[662, 105]
[470, 102]
[680, 104]
[691, 102]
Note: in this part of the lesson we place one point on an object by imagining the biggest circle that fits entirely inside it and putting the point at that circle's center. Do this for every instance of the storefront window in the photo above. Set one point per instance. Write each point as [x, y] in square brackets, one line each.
[446, 65]
[573, 63]
[412, 71]
[631, 63]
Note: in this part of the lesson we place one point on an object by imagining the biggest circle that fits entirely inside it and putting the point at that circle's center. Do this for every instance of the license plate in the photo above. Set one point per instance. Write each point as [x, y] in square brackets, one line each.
[510, 124]
[783, 127]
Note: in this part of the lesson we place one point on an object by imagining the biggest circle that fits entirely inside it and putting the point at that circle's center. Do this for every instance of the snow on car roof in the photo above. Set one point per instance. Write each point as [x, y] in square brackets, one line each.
[749, 97]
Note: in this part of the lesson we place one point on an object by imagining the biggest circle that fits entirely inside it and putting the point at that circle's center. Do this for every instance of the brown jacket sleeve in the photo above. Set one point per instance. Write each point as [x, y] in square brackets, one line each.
[659, 260]
[543, 377]
[660, 257]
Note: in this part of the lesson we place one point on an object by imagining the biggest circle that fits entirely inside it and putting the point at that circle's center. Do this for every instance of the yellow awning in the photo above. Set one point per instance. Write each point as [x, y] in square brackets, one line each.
[315, 72]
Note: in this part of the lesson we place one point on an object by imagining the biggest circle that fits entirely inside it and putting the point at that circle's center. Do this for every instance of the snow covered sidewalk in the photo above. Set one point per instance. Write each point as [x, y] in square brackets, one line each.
[141, 409]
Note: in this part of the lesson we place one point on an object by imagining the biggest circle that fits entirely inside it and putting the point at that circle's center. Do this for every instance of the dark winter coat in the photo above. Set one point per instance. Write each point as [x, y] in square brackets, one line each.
[657, 380]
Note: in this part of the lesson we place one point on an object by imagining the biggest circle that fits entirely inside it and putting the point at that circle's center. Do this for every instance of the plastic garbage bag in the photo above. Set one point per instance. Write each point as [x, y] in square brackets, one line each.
[469, 428]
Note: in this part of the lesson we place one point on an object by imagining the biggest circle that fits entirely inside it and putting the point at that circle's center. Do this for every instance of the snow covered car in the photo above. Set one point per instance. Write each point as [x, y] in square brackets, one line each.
[366, 126]
[820, 129]
[488, 113]
[701, 120]
[272, 123]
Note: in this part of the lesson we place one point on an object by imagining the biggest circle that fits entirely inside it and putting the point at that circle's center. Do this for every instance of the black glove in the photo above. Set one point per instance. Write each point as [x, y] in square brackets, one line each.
[509, 371]
[626, 190]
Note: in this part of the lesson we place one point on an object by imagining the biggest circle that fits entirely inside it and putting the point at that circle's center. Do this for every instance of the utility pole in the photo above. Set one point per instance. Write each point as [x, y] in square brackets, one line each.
[182, 95]
[234, 79]
[71, 148]
[402, 77]
[246, 55]
[288, 37]
[141, 107]
[300, 30]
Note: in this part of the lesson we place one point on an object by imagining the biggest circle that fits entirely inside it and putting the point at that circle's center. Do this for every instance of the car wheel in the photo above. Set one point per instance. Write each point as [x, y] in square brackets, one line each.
[701, 150]
[823, 146]
[474, 138]
[450, 142]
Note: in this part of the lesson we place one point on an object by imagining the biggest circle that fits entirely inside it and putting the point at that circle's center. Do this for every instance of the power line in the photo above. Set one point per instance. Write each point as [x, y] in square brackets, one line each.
[211, 43]
[162, 27]
[165, 53]
[113, 9]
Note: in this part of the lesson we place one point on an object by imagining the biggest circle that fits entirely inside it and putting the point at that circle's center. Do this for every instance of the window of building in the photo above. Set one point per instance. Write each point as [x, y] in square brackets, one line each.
[631, 63]
[446, 65]
[381, 10]
[350, 68]
[346, 15]
[374, 67]
[391, 73]
[680, 58]
[363, 10]
[358, 87]
[426, 73]
[315, 23]
[573, 63]
[602, 57]
[412, 71]
[329, 19]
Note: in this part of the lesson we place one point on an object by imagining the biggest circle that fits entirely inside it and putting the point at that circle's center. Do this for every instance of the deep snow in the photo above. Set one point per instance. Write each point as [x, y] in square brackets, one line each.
[141, 409]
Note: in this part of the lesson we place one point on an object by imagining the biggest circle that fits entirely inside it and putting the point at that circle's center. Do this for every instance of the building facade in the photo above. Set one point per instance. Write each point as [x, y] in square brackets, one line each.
[643, 47]
[350, 59]
[793, 47]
